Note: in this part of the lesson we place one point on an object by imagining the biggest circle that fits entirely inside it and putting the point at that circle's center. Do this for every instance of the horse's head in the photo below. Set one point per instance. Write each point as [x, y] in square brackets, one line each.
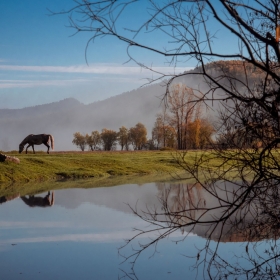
[21, 147]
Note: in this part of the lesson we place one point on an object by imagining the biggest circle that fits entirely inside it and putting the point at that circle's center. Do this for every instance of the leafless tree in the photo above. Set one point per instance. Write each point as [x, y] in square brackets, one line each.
[241, 78]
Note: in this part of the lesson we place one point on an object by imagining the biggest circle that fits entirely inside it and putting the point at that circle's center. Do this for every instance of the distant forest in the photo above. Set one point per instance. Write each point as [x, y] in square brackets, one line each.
[180, 125]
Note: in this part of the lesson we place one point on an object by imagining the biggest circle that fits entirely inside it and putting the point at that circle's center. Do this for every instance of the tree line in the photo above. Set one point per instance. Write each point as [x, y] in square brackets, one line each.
[181, 125]
[108, 139]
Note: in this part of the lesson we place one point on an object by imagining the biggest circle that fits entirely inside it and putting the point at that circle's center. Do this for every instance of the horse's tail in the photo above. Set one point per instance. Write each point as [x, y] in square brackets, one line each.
[52, 141]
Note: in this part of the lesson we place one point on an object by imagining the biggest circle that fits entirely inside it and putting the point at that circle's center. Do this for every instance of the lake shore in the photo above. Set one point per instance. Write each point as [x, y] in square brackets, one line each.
[82, 165]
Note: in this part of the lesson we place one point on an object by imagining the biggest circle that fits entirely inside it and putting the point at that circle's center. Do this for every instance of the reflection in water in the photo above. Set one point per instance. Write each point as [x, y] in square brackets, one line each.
[229, 232]
[222, 212]
[39, 201]
[4, 199]
[31, 200]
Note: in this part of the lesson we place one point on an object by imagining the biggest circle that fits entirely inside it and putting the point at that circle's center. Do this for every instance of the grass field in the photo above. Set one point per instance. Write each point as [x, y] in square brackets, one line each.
[66, 165]
[42, 172]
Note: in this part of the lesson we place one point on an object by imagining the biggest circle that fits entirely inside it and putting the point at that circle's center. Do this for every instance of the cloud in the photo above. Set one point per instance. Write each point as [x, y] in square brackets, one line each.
[103, 237]
[58, 76]
[19, 224]
[95, 69]
[5, 84]
[40, 83]
[99, 237]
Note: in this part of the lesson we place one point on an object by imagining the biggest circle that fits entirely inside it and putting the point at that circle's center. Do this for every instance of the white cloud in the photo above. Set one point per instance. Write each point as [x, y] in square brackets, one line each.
[95, 69]
[19, 224]
[90, 237]
[58, 76]
[40, 83]
[99, 237]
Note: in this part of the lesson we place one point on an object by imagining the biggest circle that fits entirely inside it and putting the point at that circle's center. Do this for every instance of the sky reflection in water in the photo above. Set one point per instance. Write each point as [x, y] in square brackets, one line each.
[79, 235]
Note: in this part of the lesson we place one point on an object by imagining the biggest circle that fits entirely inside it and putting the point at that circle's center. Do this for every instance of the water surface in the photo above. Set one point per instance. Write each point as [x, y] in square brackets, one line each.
[79, 235]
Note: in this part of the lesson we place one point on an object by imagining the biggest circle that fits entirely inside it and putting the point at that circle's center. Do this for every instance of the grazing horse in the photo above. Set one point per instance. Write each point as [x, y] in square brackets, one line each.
[39, 139]
[39, 201]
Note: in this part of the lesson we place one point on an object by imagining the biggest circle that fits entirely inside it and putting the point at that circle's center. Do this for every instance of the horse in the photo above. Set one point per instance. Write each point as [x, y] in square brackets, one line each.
[39, 201]
[39, 139]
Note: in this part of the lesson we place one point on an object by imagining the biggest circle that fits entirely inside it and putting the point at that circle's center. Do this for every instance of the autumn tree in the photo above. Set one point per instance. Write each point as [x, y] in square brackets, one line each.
[170, 137]
[138, 136]
[158, 132]
[163, 134]
[185, 116]
[182, 108]
[108, 138]
[150, 145]
[80, 140]
[123, 138]
[93, 140]
[200, 133]
[182, 122]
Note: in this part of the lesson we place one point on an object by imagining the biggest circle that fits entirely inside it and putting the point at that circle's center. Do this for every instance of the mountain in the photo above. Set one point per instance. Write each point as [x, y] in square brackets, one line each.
[63, 118]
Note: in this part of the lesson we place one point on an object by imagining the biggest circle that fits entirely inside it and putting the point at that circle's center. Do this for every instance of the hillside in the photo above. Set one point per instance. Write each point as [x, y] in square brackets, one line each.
[63, 118]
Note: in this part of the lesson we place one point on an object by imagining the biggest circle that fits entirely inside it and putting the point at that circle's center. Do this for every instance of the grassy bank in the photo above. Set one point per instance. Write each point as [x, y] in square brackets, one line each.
[42, 172]
[66, 165]
[12, 190]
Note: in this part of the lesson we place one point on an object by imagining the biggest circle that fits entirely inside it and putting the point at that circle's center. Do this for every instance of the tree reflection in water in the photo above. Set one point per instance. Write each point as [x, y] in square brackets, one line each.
[219, 212]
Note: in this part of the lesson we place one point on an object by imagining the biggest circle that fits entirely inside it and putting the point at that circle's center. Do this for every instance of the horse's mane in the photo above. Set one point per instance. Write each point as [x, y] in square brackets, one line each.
[25, 139]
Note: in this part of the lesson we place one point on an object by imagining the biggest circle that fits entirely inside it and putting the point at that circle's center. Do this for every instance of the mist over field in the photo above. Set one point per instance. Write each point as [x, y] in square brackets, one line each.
[63, 118]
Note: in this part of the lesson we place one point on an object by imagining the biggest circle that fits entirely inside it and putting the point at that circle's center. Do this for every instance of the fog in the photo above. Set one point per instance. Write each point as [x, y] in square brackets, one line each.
[62, 119]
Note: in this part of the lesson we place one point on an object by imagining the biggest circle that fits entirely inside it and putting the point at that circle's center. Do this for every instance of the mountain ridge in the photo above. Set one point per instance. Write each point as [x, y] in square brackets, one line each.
[65, 117]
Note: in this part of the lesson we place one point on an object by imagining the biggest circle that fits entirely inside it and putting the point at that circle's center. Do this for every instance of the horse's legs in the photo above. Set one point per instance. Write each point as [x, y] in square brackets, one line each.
[33, 149]
[46, 144]
[27, 148]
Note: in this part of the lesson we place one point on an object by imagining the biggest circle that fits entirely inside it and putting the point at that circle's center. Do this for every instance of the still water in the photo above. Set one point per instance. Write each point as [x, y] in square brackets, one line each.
[77, 234]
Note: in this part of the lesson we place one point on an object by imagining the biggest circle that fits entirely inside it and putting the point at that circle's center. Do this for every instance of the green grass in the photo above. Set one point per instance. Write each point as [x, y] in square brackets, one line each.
[41, 172]
[73, 165]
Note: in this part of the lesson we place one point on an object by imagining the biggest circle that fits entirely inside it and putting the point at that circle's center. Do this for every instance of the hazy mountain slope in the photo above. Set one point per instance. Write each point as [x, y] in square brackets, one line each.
[62, 119]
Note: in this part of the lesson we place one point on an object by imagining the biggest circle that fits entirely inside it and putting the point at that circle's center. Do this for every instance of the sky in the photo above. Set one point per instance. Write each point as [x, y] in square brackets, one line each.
[41, 61]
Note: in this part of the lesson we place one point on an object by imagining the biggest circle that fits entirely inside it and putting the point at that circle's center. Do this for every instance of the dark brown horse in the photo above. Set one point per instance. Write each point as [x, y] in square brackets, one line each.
[39, 201]
[39, 139]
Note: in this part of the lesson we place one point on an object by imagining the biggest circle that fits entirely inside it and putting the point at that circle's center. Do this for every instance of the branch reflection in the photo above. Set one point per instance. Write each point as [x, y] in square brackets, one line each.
[220, 212]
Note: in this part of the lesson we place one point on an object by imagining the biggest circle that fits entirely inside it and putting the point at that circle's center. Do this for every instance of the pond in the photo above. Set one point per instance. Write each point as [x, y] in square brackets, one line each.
[82, 233]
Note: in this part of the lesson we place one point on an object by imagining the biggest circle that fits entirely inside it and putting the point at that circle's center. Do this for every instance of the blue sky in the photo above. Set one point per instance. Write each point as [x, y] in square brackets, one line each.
[40, 62]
